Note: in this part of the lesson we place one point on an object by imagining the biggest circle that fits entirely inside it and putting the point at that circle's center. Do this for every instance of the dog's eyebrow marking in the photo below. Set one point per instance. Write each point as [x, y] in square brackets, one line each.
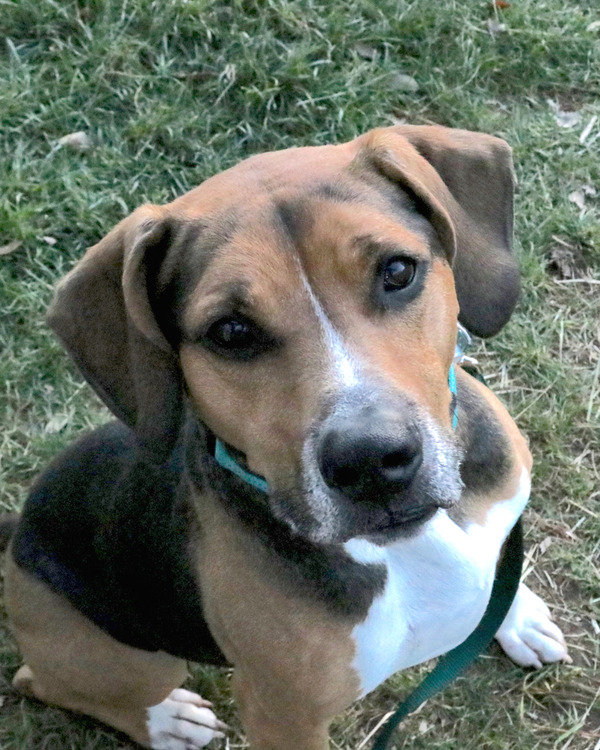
[295, 218]
[206, 238]
[336, 193]
[182, 269]
[346, 367]
[233, 299]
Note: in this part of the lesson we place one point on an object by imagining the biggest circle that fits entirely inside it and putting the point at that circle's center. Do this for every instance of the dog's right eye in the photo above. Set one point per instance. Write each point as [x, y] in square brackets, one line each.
[231, 333]
[237, 338]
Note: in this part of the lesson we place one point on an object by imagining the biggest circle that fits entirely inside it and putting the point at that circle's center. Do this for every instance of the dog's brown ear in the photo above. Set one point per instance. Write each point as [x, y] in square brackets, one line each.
[465, 181]
[102, 314]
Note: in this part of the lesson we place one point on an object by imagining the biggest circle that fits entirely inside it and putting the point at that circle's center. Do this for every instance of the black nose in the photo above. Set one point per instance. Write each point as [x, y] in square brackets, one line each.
[370, 465]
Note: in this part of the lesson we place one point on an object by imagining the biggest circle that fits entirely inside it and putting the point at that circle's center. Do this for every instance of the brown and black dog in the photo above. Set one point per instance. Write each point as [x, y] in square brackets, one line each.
[284, 491]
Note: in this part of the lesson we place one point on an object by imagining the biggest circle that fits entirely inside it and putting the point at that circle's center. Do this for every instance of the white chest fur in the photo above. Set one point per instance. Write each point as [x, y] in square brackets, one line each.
[438, 586]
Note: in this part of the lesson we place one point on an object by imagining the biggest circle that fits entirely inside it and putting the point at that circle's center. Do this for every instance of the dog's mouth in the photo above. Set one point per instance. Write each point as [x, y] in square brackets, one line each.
[403, 523]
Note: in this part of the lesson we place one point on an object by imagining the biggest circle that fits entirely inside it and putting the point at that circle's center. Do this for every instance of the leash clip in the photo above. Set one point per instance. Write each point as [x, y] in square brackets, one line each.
[463, 342]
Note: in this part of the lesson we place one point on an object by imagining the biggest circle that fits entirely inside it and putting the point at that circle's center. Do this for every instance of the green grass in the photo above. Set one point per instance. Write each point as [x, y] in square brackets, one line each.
[171, 92]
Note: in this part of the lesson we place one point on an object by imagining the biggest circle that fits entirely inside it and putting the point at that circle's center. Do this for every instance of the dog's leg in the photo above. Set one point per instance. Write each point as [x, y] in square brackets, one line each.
[72, 663]
[281, 719]
[528, 634]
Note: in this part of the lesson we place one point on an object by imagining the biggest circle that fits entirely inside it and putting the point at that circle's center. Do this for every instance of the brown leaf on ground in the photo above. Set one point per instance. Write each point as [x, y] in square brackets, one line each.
[557, 529]
[566, 261]
[366, 51]
[77, 141]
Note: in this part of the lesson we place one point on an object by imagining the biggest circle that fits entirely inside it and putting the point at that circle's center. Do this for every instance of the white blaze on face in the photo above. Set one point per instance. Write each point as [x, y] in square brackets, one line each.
[344, 365]
[346, 372]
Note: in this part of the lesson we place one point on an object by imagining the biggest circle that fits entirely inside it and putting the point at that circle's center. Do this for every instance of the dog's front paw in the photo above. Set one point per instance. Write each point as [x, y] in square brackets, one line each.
[528, 634]
[183, 721]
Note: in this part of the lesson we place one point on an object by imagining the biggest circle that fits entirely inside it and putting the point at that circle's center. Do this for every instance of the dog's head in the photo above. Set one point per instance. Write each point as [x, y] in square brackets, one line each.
[307, 302]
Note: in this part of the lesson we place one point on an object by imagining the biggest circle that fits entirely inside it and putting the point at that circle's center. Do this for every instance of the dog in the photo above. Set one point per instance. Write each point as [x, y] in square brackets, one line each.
[284, 490]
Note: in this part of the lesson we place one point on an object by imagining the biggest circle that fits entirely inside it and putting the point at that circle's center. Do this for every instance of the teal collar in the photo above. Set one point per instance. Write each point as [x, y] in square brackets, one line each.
[227, 461]
[454, 392]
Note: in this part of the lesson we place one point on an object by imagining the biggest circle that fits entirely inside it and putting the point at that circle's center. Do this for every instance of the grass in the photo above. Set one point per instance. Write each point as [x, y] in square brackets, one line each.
[172, 91]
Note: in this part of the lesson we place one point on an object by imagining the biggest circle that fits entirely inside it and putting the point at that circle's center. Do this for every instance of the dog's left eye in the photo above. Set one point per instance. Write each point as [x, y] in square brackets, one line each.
[398, 274]
[237, 338]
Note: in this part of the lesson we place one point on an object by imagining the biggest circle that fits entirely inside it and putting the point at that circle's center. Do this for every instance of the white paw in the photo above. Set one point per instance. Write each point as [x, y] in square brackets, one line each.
[183, 721]
[528, 634]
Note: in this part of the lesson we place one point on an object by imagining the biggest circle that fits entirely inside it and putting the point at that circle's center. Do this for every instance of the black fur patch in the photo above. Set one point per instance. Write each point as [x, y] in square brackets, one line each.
[488, 457]
[110, 531]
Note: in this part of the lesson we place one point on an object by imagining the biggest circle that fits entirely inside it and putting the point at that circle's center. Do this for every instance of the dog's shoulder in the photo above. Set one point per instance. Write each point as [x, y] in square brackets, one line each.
[110, 530]
[492, 444]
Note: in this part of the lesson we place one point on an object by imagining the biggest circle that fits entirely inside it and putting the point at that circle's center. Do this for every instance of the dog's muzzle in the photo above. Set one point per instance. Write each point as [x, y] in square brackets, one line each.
[377, 466]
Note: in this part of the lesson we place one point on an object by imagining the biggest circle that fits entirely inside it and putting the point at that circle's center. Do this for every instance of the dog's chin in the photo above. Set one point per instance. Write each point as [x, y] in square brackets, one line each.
[400, 527]
[324, 516]
[382, 532]
[343, 520]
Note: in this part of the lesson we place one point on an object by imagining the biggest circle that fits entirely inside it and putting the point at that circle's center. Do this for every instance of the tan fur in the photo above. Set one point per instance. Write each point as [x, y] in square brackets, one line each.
[72, 663]
[268, 409]
[262, 628]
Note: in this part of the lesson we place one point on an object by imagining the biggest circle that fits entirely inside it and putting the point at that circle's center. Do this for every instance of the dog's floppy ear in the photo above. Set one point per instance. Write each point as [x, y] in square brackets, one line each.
[465, 182]
[103, 316]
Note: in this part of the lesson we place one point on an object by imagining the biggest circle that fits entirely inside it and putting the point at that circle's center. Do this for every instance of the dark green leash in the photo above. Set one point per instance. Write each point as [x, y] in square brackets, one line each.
[454, 663]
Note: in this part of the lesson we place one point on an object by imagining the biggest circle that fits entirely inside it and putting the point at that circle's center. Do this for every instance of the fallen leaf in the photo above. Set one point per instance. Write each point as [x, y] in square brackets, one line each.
[423, 727]
[502, 4]
[402, 82]
[545, 544]
[557, 529]
[366, 51]
[77, 141]
[567, 119]
[10, 248]
[57, 423]
[50, 240]
[495, 27]
[578, 198]
[564, 118]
